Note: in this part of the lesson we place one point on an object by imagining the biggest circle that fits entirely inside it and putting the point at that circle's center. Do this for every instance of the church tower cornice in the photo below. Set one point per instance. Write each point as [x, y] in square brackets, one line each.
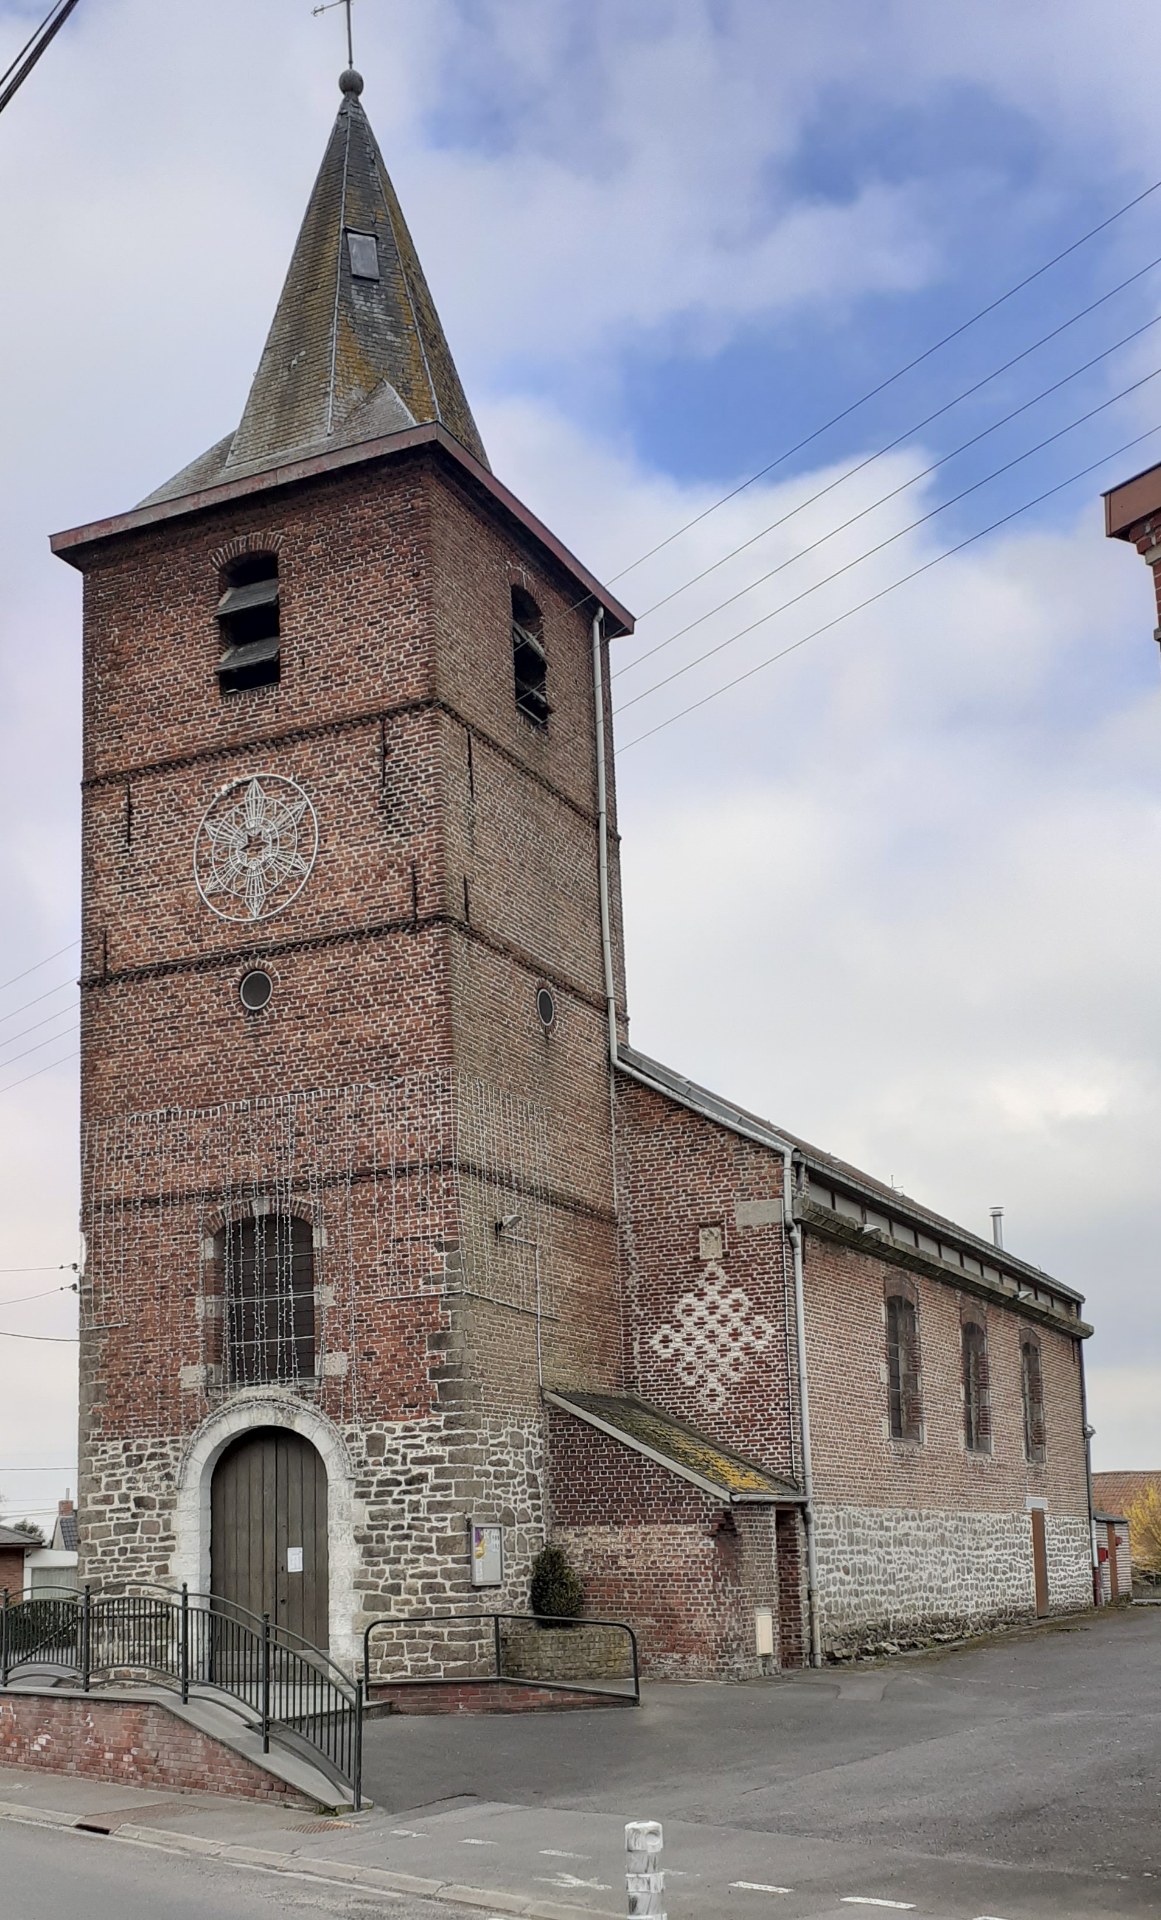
[75, 543]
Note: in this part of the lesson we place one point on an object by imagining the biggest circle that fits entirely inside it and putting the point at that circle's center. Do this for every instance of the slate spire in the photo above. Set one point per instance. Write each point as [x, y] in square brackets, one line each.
[356, 349]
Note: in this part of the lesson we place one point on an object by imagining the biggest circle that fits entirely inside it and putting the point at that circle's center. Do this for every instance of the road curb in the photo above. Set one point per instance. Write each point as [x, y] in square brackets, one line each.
[344, 1872]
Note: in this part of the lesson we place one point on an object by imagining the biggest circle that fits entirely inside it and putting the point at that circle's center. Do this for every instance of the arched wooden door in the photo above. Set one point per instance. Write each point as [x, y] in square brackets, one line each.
[268, 1530]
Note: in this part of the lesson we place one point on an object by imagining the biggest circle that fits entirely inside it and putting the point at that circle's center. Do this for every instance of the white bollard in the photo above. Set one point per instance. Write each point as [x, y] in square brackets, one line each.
[644, 1879]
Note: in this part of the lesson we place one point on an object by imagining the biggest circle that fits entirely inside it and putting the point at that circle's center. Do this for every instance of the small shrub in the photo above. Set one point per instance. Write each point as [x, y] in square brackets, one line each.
[556, 1588]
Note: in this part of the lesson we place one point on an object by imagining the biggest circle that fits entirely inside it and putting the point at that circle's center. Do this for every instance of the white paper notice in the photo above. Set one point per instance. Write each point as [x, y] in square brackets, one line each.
[294, 1559]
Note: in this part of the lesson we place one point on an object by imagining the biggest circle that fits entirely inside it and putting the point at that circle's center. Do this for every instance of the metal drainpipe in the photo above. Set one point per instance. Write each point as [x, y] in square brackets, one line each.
[795, 1232]
[603, 833]
[1087, 1432]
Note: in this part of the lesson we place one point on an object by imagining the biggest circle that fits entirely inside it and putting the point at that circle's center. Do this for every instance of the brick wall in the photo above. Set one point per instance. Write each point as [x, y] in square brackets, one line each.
[709, 1321]
[682, 1568]
[131, 1743]
[923, 1537]
[12, 1569]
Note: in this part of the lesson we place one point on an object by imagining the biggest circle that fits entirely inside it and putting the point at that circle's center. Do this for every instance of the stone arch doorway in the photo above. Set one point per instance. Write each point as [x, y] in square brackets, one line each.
[268, 1530]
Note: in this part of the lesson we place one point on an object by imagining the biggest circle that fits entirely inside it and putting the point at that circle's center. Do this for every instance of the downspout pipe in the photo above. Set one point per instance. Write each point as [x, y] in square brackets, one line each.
[603, 832]
[791, 1226]
[1087, 1433]
[793, 1229]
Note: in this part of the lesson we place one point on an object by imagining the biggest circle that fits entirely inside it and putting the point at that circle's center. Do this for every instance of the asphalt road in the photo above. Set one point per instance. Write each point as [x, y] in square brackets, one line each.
[47, 1873]
[1017, 1778]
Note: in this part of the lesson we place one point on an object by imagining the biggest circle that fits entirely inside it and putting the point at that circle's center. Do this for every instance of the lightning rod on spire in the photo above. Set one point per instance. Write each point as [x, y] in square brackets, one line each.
[329, 7]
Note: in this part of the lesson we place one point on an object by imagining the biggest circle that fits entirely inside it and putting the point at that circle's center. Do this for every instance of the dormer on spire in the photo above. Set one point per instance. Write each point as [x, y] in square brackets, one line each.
[356, 350]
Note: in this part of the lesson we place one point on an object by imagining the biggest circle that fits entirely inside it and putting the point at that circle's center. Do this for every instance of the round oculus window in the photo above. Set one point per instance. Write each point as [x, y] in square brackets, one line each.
[545, 1008]
[255, 991]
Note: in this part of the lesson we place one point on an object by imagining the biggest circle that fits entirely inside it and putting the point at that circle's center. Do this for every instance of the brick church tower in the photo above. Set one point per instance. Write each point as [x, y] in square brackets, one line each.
[348, 1185]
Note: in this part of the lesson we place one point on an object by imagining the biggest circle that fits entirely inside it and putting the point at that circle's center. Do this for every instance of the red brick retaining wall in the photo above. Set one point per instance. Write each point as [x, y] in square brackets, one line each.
[134, 1743]
[484, 1696]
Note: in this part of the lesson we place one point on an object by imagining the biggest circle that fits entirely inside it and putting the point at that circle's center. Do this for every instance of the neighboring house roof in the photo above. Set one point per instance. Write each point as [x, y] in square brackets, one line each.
[679, 1449]
[12, 1537]
[64, 1534]
[1045, 1297]
[1115, 1493]
[356, 350]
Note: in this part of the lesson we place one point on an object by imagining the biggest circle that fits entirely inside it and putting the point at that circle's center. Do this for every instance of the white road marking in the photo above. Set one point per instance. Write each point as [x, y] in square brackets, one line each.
[570, 1880]
[558, 1853]
[756, 1886]
[408, 1833]
[866, 1900]
[479, 1843]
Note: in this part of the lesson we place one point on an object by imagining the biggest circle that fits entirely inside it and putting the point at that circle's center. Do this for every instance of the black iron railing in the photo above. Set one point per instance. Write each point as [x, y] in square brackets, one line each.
[196, 1643]
[479, 1648]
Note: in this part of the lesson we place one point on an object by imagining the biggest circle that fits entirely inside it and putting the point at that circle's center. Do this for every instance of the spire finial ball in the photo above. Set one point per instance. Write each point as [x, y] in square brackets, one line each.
[351, 82]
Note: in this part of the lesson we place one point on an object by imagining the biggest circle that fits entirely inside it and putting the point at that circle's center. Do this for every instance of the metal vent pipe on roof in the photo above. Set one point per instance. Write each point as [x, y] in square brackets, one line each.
[998, 1225]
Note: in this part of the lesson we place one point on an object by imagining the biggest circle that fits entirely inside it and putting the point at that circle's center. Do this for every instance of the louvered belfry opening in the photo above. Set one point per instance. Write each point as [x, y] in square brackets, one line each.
[529, 660]
[1032, 1393]
[977, 1402]
[268, 1284]
[904, 1404]
[250, 624]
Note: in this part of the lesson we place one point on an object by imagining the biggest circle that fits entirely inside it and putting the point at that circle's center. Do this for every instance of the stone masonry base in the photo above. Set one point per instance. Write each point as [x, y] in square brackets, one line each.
[131, 1743]
[893, 1577]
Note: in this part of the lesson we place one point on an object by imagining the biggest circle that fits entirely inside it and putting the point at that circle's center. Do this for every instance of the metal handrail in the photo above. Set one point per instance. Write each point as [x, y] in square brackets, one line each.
[538, 1619]
[297, 1694]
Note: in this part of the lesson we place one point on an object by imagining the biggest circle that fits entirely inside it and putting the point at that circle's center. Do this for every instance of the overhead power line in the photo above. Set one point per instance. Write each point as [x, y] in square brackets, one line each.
[63, 1014]
[33, 50]
[62, 1266]
[5, 984]
[36, 1000]
[23, 1082]
[50, 1339]
[728, 685]
[890, 539]
[23, 1299]
[50, 1042]
[918, 427]
[845, 412]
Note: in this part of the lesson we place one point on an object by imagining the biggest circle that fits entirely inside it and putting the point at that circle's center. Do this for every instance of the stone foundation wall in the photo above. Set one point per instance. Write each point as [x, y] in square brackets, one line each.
[1066, 1537]
[403, 1502]
[892, 1577]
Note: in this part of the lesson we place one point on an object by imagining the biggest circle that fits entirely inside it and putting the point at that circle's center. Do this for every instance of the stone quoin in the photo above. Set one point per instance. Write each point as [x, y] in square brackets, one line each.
[390, 1233]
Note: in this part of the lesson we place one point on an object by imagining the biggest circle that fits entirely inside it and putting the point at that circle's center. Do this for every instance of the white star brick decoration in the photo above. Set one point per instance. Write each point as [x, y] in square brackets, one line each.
[714, 1337]
[255, 847]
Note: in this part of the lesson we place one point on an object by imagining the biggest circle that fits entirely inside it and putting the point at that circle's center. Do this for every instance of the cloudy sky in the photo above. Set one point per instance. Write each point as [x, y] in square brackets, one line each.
[897, 889]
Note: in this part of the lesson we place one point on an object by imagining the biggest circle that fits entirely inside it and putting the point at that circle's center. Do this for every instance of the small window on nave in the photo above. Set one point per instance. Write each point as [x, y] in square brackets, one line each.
[529, 660]
[1032, 1396]
[977, 1399]
[904, 1401]
[268, 1284]
[248, 620]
